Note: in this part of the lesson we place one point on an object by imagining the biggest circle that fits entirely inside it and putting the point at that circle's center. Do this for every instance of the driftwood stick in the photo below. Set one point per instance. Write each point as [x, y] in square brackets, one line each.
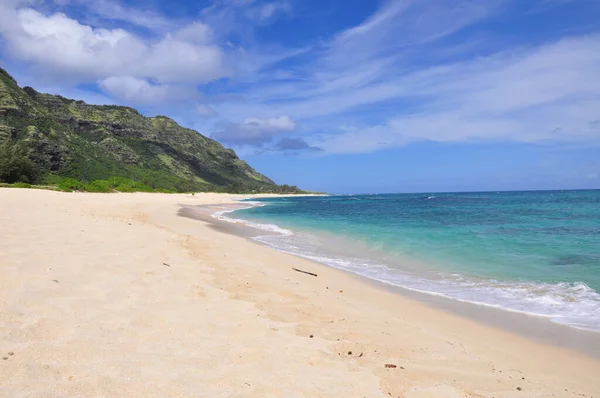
[304, 272]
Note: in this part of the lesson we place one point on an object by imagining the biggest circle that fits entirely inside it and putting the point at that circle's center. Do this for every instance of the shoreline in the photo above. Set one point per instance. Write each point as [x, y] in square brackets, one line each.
[531, 326]
[121, 296]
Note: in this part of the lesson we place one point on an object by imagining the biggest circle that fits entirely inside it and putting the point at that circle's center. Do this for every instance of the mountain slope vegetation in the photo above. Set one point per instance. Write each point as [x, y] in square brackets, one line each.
[46, 138]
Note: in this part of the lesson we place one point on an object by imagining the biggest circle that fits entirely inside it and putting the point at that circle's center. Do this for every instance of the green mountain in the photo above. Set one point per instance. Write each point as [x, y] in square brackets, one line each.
[67, 138]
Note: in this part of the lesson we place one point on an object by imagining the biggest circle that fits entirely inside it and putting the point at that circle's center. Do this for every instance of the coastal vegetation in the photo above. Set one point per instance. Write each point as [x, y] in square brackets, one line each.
[15, 165]
[52, 140]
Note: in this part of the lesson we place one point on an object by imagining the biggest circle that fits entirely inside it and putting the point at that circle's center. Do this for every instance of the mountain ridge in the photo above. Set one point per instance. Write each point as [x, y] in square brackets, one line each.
[68, 138]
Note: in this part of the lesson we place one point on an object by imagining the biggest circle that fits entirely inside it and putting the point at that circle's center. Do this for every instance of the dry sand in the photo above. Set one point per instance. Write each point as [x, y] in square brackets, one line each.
[114, 295]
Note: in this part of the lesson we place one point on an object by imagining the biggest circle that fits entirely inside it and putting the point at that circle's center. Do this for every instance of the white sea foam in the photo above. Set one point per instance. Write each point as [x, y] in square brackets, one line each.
[573, 304]
[220, 215]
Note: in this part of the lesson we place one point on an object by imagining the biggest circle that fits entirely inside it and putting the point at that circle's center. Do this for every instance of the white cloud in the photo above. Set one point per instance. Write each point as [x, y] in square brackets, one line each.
[171, 60]
[65, 48]
[139, 91]
[163, 68]
[281, 123]
[255, 131]
[196, 32]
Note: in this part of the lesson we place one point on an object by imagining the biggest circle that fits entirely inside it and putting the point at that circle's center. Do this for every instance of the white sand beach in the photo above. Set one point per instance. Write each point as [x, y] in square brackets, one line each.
[115, 295]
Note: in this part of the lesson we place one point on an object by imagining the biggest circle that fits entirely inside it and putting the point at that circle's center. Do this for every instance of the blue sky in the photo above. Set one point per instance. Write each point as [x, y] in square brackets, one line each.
[341, 96]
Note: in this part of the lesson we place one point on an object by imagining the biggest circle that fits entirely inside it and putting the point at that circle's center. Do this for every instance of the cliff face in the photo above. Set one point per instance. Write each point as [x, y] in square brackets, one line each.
[70, 138]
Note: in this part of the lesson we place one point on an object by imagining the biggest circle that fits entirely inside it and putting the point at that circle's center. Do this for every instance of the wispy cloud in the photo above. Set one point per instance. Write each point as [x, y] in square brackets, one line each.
[380, 97]
[358, 66]
[114, 11]
[545, 94]
[205, 111]
[401, 24]
[236, 20]
[133, 90]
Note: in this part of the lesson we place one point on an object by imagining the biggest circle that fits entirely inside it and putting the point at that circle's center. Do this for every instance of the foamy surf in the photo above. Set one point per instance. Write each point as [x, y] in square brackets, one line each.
[530, 252]
[220, 215]
[572, 304]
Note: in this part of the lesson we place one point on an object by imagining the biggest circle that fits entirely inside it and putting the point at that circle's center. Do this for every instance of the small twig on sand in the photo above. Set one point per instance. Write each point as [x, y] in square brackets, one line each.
[166, 264]
[304, 272]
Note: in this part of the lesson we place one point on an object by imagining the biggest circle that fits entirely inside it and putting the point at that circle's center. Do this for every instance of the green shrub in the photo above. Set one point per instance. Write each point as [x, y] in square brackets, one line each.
[99, 186]
[51, 179]
[122, 184]
[21, 185]
[70, 185]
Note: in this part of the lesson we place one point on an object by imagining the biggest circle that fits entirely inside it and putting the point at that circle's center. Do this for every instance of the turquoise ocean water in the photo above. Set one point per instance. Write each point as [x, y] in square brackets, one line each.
[532, 252]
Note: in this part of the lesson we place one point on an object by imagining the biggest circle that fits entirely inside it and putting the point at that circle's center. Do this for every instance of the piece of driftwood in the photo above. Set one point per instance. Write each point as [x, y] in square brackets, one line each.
[166, 264]
[391, 366]
[304, 272]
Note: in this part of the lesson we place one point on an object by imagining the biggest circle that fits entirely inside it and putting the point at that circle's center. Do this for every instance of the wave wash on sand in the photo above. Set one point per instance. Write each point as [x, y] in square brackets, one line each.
[360, 250]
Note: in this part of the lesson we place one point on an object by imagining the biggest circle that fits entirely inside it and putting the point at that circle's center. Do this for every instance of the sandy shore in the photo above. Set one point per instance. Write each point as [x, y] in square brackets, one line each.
[115, 295]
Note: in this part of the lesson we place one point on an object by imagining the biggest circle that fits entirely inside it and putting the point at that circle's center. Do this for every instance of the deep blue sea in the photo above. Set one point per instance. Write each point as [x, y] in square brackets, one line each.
[532, 252]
